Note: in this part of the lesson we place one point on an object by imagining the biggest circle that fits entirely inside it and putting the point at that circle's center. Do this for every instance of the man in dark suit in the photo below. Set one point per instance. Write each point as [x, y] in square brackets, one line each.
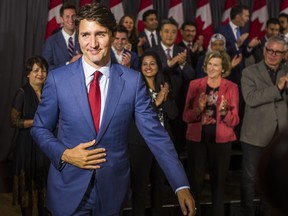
[237, 41]
[90, 169]
[272, 29]
[263, 88]
[119, 53]
[57, 51]
[177, 66]
[194, 47]
[150, 34]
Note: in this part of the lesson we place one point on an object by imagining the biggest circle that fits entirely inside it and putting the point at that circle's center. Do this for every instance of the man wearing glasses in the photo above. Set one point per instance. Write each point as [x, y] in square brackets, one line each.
[263, 88]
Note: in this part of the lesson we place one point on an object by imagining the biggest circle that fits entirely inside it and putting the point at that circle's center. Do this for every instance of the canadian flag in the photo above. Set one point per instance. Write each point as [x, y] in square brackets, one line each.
[284, 7]
[116, 7]
[53, 21]
[227, 8]
[258, 19]
[83, 2]
[144, 6]
[204, 21]
[176, 12]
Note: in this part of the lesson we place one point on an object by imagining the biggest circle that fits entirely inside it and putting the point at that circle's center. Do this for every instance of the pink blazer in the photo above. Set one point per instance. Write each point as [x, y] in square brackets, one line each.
[225, 127]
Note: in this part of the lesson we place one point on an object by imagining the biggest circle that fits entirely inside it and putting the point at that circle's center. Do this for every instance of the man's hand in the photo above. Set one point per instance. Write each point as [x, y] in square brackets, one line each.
[76, 57]
[254, 42]
[236, 60]
[282, 82]
[180, 58]
[186, 202]
[126, 59]
[83, 158]
[242, 38]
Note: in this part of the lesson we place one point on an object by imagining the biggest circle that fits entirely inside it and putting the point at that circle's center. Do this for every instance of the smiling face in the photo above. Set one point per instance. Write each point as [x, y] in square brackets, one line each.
[188, 33]
[217, 45]
[273, 54]
[95, 43]
[214, 68]
[68, 20]
[121, 39]
[37, 75]
[149, 67]
[128, 23]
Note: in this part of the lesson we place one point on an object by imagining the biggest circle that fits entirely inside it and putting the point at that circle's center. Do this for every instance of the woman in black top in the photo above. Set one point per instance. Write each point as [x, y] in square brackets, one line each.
[142, 160]
[30, 164]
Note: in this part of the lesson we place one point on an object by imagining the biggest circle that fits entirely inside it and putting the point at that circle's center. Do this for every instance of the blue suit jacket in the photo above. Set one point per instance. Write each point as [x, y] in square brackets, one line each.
[64, 103]
[55, 50]
[134, 59]
[232, 50]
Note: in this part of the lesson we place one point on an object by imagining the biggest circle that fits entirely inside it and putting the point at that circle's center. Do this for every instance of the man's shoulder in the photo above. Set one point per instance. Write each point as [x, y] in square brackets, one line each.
[118, 68]
[65, 70]
[223, 28]
[56, 36]
[254, 68]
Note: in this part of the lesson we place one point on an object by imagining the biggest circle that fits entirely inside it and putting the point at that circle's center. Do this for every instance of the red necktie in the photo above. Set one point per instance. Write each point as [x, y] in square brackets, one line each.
[94, 96]
[189, 46]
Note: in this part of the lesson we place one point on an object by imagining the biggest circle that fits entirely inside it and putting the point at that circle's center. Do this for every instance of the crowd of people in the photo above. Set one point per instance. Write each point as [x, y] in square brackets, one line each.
[155, 99]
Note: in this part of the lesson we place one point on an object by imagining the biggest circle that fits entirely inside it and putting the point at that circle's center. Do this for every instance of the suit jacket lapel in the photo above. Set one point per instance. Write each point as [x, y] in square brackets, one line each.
[78, 88]
[116, 84]
[62, 44]
[264, 73]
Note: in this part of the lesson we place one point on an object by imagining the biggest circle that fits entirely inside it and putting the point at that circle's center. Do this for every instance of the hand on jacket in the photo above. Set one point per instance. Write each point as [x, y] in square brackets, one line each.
[83, 157]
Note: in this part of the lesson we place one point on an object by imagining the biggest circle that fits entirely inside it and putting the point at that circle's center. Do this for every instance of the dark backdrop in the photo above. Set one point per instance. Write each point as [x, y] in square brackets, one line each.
[22, 29]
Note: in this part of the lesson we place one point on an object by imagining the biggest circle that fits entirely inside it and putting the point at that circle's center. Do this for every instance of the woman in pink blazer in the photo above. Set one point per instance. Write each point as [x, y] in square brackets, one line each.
[211, 113]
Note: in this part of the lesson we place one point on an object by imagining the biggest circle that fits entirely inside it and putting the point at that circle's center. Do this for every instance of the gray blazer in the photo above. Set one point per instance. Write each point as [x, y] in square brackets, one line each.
[266, 107]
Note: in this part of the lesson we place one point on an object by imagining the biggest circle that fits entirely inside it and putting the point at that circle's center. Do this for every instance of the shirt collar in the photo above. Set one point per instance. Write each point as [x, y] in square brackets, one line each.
[186, 43]
[165, 47]
[149, 32]
[89, 70]
[67, 36]
[233, 26]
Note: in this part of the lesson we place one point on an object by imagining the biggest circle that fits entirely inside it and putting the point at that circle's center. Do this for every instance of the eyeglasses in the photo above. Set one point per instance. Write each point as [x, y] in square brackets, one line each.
[273, 52]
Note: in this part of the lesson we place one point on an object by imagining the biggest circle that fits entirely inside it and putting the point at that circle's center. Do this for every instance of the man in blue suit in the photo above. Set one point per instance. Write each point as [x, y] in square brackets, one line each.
[56, 47]
[237, 41]
[119, 53]
[90, 171]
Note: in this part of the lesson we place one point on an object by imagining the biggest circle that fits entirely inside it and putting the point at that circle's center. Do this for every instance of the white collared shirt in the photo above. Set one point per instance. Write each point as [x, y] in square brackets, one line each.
[67, 36]
[165, 49]
[148, 33]
[234, 28]
[118, 57]
[103, 81]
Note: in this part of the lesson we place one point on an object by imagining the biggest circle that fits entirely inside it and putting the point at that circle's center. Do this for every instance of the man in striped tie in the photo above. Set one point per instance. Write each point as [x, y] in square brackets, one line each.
[62, 47]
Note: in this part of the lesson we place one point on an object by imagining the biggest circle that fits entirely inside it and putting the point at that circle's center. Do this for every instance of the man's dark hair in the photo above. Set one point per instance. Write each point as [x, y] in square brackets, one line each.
[148, 13]
[237, 10]
[188, 23]
[169, 21]
[65, 6]
[121, 29]
[274, 21]
[283, 15]
[99, 13]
